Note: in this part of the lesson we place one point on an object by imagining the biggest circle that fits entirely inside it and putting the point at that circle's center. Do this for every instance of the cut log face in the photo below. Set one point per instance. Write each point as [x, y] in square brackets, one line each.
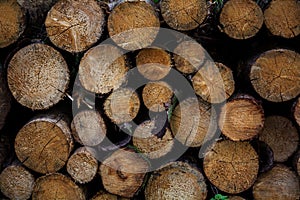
[102, 69]
[38, 76]
[279, 183]
[5, 99]
[236, 198]
[157, 95]
[153, 63]
[88, 128]
[281, 135]
[123, 172]
[16, 182]
[82, 165]
[192, 121]
[44, 144]
[75, 25]
[146, 140]
[176, 180]
[189, 56]
[133, 25]
[183, 15]
[12, 20]
[231, 166]
[214, 82]
[241, 118]
[275, 75]
[103, 195]
[241, 19]
[282, 18]
[297, 111]
[56, 186]
[122, 105]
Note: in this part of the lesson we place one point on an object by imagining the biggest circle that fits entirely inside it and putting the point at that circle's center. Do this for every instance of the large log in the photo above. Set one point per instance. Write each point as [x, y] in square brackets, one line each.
[275, 75]
[176, 180]
[133, 25]
[241, 19]
[44, 144]
[75, 25]
[183, 15]
[279, 183]
[12, 20]
[282, 18]
[281, 135]
[231, 166]
[38, 76]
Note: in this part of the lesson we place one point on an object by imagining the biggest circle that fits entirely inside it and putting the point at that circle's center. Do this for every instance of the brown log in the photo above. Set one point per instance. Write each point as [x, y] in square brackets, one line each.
[176, 180]
[133, 25]
[38, 76]
[122, 105]
[192, 120]
[5, 99]
[279, 183]
[75, 25]
[44, 144]
[236, 198]
[214, 82]
[242, 118]
[82, 165]
[296, 111]
[153, 63]
[16, 182]
[275, 75]
[147, 141]
[156, 95]
[88, 128]
[231, 166]
[183, 15]
[12, 20]
[188, 56]
[56, 186]
[241, 19]
[102, 69]
[282, 18]
[123, 172]
[281, 135]
[103, 195]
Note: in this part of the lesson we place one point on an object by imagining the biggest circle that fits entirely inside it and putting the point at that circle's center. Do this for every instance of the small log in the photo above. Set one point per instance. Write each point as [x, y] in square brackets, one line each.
[242, 118]
[5, 99]
[56, 186]
[16, 182]
[103, 195]
[153, 63]
[282, 18]
[44, 144]
[147, 141]
[176, 180]
[75, 25]
[38, 76]
[82, 165]
[296, 162]
[122, 105]
[133, 25]
[102, 69]
[12, 20]
[189, 56]
[214, 82]
[192, 121]
[88, 128]
[231, 166]
[123, 172]
[182, 15]
[279, 183]
[275, 75]
[281, 135]
[241, 19]
[156, 95]
[296, 111]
